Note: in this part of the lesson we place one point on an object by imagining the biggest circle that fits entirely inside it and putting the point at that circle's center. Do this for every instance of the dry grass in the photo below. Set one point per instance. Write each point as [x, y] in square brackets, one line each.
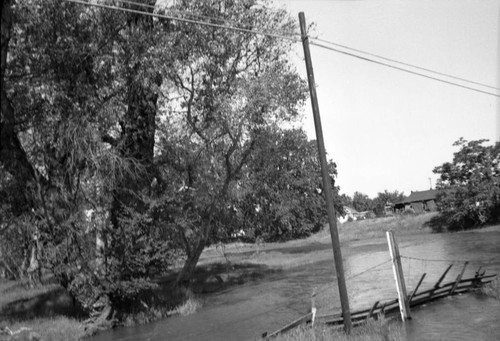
[44, 311]
[279, 260]
[381, 330]
[375, 228]
[273, 255]
[56, 329]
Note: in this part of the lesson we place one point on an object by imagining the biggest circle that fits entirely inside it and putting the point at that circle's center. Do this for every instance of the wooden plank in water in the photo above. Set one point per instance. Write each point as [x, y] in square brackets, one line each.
[459, 278]
[416, 288]
[370, 314]
[391, 307]
[442, 276]
[303, 319]
[462, 282]
[436, 286]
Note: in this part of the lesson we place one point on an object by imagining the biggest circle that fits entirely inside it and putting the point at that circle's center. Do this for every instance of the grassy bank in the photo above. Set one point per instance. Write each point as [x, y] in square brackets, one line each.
[317, 247]
[49, 312]
[375, 228]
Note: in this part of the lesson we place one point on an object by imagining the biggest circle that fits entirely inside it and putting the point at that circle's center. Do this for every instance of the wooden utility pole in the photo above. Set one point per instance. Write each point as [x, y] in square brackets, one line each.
[327, 189]
[404, 306]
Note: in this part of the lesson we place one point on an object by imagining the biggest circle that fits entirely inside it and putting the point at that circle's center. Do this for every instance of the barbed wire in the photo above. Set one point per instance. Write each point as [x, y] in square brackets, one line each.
[450, 260]
[369, 269]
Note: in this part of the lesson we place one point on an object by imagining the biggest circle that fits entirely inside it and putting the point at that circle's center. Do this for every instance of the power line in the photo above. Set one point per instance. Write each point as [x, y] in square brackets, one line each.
[402, 69]
[191, 21]
[187, 14]
[405, 64]
[293, 39]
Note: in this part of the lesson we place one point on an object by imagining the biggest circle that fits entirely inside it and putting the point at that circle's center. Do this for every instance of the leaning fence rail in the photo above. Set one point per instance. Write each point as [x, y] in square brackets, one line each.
[437, 291]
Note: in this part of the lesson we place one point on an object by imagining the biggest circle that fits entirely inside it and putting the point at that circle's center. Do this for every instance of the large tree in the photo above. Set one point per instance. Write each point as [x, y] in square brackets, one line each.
[470, 185]
[79, 105]
[226, 88]
[123, 138]
[281, 191]
[361, 202]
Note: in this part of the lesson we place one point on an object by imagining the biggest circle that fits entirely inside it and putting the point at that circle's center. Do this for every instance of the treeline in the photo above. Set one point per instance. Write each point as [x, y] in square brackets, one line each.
[362, 202]
[130, 143]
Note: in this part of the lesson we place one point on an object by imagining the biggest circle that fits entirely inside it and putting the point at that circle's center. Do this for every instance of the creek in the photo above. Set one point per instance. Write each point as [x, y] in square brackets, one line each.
[244, 312]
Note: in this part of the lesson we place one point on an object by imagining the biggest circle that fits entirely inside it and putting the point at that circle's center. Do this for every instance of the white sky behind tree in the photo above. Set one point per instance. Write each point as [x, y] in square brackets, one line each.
[388, 129]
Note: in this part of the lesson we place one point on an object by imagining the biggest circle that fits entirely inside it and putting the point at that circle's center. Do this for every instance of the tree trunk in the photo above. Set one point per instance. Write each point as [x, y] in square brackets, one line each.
[34, 269]
[100, 251]
[187, 272]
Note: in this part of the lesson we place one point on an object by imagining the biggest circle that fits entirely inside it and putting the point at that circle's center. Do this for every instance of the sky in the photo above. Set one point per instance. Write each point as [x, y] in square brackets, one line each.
[388, 129]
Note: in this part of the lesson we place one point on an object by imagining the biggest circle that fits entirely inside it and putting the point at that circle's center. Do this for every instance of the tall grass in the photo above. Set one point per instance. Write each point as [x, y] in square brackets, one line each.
[190, 306]
[491, 289]
[380, 330]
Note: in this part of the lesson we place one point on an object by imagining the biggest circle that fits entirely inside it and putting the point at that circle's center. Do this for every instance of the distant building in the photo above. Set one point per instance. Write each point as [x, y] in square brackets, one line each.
[349, 213]
[419, 202]
[389, 209]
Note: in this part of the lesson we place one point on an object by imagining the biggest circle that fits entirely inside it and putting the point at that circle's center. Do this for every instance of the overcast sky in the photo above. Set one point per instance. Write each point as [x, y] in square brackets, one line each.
[387, 129]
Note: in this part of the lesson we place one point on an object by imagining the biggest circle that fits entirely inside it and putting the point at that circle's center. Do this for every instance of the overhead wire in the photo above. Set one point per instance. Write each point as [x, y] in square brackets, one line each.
[405, 64]
[185, 13]
[312, 42]
[192, 21]
[403, 69]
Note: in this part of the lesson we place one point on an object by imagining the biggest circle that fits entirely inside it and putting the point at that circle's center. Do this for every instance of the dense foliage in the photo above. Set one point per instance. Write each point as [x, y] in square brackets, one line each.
[280, 196]
[362, 202]
[128, 143]
[469, 186]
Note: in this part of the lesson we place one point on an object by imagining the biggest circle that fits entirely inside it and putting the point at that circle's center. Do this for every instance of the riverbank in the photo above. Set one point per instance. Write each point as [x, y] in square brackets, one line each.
[219, 270]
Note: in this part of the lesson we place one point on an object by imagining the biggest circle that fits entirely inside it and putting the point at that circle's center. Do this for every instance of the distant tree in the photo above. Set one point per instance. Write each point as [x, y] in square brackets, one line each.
[384, 198]
[361, 202]
[281, 188]
[346, 200]
[469, 186]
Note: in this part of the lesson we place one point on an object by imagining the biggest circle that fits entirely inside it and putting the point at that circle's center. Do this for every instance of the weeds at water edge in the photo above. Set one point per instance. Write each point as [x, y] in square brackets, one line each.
[190, 306]
[491, 289]
[381, 330]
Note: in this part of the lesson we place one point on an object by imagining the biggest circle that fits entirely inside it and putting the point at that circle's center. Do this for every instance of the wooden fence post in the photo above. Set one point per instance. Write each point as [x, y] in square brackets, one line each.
[404, 306]
[313, 307]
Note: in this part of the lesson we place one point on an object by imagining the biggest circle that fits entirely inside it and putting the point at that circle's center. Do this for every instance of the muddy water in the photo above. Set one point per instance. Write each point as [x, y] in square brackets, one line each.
[243, 312]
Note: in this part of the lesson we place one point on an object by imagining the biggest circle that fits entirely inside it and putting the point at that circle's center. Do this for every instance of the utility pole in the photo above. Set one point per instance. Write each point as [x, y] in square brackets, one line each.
[332, 219]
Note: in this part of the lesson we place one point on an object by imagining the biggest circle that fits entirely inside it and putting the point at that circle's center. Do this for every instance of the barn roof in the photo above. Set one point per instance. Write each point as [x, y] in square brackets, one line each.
[430, 194]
